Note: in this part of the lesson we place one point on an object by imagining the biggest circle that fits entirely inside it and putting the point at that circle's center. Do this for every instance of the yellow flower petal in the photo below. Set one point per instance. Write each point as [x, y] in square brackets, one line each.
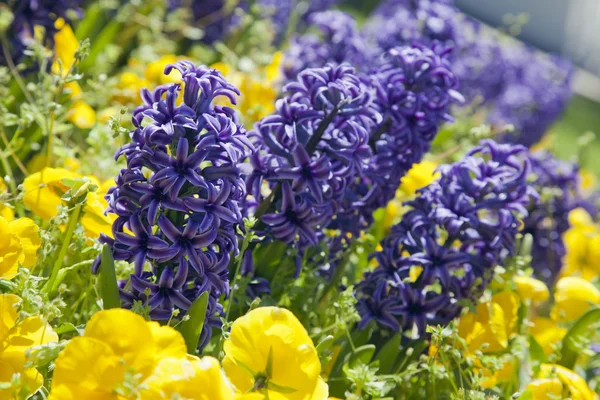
[532, 289]
[545, 389]
[188, 378]
[576, 385]
[44, 189]
[11, 251]
[547, 333]
[29, 235]
[8, 313]
[81, 115]
[65, 46]
[419, 176]
[573, 296]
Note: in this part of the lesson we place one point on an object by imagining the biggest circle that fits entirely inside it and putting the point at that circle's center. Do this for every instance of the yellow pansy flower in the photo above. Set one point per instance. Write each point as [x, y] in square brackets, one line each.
[588, 180]
[112, 360]
[545, 389]
[269, 350]
[573, 296]
[529, 288]
[582, 242]
[187, 378]
[20, 244]
[16, 337]
[419, 176]
[5, 210]
[44, 189]
[574, 386]
[492, 325]
[547, 333]
[94, 220]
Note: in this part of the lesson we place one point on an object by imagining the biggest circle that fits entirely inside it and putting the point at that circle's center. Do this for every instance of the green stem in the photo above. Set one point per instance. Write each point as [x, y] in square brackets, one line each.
[73, 219]
[11, 182]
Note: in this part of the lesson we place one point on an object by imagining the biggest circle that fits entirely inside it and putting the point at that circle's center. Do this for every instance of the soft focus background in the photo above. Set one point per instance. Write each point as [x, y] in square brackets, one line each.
[562, 27]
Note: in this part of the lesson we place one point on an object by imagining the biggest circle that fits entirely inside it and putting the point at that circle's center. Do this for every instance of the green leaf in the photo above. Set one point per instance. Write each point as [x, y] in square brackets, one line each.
[191, 328]
[362, 355]
[578, 337]
[536, 351]
[108, 280]
[388, 353]
[68, 327]
[269, 369]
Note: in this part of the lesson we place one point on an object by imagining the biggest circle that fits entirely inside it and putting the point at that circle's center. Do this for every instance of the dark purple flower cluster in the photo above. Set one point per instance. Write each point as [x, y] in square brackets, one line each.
[177, 202]
[415, 87]
[340, 41]
[310, 151]
[31, 13]
[536, 92]
[444, 250]
[558, 184]
[399, 22]
[217, 18]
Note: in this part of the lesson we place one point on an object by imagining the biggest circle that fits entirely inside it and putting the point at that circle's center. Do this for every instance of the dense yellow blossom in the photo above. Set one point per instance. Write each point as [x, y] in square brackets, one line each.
[117, 353]
[6, 211]
[547, 333]
[573, 296]
[529, 288]
[44, 189]
[187, 378]
[258, 91]
[272, 335]
[43, 192]
[419, 176]
[66, 44]
[582, 242]
[19, 246]
[16, 337]
[573, 385]
[492, 325]
[94, 219]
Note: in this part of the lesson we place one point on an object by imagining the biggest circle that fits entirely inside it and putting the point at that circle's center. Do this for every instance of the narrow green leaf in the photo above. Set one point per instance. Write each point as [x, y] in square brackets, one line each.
[108, 280]
[578, 337]
[388, 353]
[191, 328]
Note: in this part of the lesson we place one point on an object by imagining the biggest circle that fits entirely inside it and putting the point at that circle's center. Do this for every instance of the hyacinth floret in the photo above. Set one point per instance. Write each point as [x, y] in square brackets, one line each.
[29, 14]
[444, 250]
[178, 200]
[311, 150]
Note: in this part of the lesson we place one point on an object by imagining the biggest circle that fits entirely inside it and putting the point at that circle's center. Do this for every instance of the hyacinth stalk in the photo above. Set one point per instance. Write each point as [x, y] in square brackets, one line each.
[178, 201]
[444, 250]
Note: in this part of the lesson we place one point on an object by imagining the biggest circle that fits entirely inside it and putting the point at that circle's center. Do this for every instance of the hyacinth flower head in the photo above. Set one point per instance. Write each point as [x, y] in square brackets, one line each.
[444, 250]
[310, 150]
[177, 201]
[537, 91]
[548, 220]
[339, 41]
[29, 14]
[415, 87]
